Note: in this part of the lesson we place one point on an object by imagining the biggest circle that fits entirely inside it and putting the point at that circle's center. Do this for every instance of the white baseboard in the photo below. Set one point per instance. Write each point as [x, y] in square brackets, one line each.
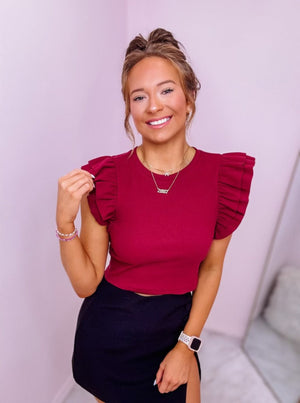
[64, 390]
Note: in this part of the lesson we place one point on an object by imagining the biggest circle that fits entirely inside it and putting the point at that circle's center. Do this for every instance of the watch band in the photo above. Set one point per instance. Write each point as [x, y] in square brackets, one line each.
[193, 342]
[184, 338]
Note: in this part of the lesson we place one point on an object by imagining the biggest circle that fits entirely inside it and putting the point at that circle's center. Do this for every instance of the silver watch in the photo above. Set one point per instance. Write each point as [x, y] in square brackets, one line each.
[193, 342]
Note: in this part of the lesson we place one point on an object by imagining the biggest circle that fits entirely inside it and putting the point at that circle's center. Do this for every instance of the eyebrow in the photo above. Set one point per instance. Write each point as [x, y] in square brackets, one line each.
[159, 84]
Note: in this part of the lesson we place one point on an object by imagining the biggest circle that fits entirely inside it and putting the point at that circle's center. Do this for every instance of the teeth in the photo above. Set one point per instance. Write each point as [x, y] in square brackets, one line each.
[159, 122]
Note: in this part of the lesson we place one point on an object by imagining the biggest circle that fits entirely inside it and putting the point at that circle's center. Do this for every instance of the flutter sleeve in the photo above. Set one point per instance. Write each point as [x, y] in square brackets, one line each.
[235, 176]
[102, 200]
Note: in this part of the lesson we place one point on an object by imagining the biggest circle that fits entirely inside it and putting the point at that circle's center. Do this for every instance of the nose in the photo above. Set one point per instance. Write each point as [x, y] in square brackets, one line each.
[154, 104]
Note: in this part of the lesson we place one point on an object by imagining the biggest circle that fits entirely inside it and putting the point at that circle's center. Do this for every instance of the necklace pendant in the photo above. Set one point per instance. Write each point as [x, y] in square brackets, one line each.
[163, 191]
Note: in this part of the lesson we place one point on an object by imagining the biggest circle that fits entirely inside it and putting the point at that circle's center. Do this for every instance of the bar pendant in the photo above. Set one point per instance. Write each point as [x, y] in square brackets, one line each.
[164, 191]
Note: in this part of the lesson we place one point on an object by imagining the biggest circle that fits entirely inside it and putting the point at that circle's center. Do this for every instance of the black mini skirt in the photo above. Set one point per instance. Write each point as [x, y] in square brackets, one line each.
[121, 339]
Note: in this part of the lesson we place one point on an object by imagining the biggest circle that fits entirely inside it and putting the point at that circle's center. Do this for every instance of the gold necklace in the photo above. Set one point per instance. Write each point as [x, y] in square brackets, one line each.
[164, 191]
[167, 172]
[161, 190]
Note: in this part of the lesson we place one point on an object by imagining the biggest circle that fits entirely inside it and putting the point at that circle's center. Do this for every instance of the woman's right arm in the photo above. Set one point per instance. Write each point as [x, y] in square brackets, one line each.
[84, 257]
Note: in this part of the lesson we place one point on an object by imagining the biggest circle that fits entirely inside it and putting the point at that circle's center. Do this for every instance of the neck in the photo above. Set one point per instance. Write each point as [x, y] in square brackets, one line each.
[164, 158]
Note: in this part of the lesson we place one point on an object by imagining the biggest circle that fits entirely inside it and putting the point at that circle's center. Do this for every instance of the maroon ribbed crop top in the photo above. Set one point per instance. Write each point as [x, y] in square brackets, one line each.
[157, 241]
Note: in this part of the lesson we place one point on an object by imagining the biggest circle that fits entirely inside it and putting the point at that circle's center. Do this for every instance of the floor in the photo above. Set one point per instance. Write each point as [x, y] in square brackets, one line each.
[227, 375]
[277, 358]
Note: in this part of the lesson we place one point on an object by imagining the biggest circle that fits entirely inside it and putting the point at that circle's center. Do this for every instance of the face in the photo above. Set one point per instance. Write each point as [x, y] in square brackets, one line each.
[158, 104]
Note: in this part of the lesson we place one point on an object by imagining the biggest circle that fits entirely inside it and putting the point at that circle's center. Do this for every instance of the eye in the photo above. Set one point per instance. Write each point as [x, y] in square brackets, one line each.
[138, 98]
[167, 91]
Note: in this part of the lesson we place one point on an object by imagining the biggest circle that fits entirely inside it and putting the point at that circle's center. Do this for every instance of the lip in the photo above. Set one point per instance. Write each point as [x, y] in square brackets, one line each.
[165, 121]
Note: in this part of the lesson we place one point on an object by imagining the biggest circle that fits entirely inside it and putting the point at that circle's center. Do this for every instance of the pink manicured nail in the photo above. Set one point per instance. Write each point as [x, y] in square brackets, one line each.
[93, 176]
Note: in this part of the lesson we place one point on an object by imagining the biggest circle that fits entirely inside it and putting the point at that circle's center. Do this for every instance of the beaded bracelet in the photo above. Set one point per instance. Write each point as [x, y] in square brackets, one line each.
[66, 235]
[73, 236]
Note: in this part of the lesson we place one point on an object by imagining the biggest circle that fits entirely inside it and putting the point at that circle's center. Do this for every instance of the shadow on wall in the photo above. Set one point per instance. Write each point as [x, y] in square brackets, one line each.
[274, 333]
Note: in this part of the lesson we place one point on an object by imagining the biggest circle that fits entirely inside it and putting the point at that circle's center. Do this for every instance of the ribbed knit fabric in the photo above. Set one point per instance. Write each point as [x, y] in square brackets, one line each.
[158, 241]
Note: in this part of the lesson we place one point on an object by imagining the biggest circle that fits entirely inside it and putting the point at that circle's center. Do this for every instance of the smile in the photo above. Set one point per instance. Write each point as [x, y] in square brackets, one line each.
[160, 122]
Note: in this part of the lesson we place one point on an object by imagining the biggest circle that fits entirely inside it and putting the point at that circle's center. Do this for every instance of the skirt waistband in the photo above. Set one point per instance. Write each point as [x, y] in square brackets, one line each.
[120, 292]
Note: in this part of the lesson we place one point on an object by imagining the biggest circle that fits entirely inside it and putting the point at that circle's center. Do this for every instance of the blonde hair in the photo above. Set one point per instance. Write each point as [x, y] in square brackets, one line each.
[160, 43]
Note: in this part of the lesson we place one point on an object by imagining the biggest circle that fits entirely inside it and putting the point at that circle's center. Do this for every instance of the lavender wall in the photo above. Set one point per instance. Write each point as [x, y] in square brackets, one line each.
[284, 249]
[245, 54]
[60, 104]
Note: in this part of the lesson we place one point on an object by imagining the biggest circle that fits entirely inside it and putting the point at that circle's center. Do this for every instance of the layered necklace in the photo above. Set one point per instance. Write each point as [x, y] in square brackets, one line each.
[167, 172]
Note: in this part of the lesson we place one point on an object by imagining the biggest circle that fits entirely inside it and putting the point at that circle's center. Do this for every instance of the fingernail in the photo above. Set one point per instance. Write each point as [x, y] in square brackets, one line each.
[154, 383]
[93, 176]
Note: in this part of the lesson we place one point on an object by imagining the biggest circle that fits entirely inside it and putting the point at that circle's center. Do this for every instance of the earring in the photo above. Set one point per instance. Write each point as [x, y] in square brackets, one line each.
[188, 116]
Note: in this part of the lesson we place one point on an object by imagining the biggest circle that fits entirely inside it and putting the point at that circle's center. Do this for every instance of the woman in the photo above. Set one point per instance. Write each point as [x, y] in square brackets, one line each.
[165, 211]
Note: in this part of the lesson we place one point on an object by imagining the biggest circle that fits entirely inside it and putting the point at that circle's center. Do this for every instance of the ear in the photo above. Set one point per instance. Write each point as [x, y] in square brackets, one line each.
[189, 106]
[188, 109]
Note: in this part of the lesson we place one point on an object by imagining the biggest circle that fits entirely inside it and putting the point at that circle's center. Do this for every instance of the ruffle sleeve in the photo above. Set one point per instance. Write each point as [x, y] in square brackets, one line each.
[102, 200]
[235, 176]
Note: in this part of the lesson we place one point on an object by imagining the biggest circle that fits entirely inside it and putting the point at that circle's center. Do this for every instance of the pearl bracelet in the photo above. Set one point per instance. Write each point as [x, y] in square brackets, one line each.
[72, 236]
[66, 235]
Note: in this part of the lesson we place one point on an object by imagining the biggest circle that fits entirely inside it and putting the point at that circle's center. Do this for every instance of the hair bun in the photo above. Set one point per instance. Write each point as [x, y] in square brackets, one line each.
[138, 43]
[161, 35]
[158, 36]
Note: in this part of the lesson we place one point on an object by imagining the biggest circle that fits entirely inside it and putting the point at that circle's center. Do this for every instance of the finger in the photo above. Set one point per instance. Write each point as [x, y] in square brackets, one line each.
[168, 384]
[79, 184]
[173, 387]
[78, 171]
[84, 190]
[73, 183]
[159, 374]
[88, 173]
[168, 387]
[74, 176]
[164, 387]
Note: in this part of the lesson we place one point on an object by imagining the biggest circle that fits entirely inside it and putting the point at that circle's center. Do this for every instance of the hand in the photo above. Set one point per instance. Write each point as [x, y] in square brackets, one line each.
[71, 189]
[175, 368]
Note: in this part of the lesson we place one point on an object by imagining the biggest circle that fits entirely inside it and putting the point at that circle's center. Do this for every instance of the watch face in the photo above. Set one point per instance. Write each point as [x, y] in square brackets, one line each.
[195, 345]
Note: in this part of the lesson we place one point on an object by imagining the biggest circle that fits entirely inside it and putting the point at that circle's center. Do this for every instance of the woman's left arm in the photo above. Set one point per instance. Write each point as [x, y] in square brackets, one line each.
[175, 368]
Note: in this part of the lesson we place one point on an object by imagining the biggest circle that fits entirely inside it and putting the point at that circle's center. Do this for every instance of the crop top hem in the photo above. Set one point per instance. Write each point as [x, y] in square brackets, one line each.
[150, 291]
